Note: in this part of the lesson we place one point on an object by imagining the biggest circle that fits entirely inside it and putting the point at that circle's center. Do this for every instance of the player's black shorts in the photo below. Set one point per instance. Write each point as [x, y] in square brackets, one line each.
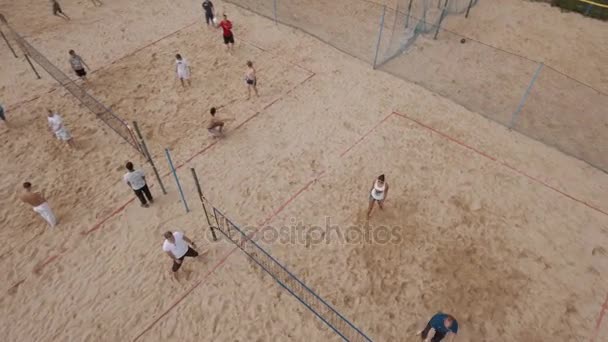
[252, 82]
[228, 40]
[208, 17]
[80, 72]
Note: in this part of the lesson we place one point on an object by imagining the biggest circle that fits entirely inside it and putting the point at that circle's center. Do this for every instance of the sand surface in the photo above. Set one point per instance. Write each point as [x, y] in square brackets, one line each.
[500, 230]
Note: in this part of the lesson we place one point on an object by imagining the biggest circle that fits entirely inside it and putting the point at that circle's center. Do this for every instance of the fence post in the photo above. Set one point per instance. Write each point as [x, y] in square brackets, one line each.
[179, 186]
[274, 6]
[515, 115]
[27, 58]
[407, 18]
[469, 8]
[147, 155]
[379, 35]
[439, 23]
[202, 198]
[8, 44]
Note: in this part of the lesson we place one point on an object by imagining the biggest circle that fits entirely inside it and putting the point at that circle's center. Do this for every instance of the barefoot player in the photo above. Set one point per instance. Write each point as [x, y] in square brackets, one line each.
[78, 65]
[56, 127]
[251, 79]
[177, 246]
[378, 194]
[443, 325]
[57, 11]
[216, 126]
[226, 26]
[38, 203]
[182, 69]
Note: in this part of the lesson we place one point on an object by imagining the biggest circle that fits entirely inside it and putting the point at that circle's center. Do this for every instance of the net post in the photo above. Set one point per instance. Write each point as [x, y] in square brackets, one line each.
[148, 157]
[202, 198]
[27, 58]
[179, 186]
[515, 115]
[407, 17]
[379, 36]
[468, 8]
[10, 47]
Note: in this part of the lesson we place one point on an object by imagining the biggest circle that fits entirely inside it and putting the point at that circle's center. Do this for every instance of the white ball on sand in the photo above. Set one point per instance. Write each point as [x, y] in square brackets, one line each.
[215, 22]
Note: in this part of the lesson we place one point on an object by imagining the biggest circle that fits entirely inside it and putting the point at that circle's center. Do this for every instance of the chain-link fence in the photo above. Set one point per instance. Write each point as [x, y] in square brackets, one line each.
[324, 311]
[117, 124]
[591, 8]
[408, 41]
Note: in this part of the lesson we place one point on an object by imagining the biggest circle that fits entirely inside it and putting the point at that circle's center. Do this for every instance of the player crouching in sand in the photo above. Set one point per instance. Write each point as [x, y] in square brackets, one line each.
[216, 126]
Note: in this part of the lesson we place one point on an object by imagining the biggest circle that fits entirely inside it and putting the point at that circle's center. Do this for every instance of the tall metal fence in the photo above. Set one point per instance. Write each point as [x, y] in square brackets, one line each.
[117, 124]
[323, 310]
[409, 42]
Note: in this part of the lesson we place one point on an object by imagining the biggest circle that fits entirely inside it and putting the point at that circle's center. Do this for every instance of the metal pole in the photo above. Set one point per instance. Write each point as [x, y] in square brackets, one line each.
[379, 35]
[144, 147]
[407, 18]
[515, 115]
[32, 65]
[179, 186]
[202, 198]
[468, 8]
[439, 24]
[274, 5]
[8, 44]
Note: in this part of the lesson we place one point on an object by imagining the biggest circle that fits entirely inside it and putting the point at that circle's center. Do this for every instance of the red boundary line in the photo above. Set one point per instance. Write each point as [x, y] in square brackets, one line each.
[99, 224]
[598, 323]
[252, 235]
[365, 135]
[304, 188]
[503, 163]
[221, 262]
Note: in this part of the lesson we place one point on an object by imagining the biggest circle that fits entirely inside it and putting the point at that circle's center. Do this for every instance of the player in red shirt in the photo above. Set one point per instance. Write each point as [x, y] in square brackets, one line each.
[226, 26]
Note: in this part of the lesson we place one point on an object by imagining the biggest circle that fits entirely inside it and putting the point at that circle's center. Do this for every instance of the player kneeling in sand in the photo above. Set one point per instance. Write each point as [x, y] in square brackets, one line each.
[183, 69]
[56, 126]
[216, 126]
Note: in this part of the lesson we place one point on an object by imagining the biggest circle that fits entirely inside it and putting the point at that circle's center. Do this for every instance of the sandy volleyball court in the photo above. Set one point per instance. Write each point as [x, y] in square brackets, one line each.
[500, 230]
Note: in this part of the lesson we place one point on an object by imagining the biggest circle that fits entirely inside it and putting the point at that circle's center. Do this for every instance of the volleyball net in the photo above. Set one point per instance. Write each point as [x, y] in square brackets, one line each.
[286, 279]
[117, 124]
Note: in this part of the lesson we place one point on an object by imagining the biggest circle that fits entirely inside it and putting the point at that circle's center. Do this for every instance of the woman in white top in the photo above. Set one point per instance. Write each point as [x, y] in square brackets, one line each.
[183, 69]
[378, 193]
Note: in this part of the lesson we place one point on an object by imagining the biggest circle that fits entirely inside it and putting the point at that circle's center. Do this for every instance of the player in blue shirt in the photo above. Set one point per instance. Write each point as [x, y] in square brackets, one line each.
[443, 324]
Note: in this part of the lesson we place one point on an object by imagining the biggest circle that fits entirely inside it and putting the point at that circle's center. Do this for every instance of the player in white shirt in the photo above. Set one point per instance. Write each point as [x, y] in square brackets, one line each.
[176, 245]
[182, 69]
[137, 181]
[56, 126]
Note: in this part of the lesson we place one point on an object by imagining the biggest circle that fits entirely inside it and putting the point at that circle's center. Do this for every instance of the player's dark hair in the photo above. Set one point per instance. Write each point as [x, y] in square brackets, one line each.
[249, 63]
[129, 166]
[450, 318]
[381, 177]
[27, 185]
[168, 235]
[212, 110]
[178, 56]
[71, 52]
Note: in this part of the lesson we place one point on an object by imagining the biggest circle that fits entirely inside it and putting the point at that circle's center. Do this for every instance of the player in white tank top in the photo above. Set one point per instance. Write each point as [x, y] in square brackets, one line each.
[378, 193]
